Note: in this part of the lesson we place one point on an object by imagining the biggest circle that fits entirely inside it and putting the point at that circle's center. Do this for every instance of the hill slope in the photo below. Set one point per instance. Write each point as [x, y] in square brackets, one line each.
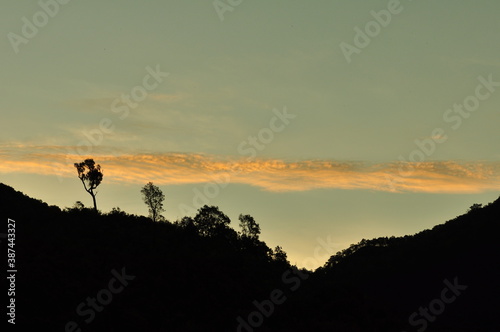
[182, 281]
[166, 277]
[382, 284]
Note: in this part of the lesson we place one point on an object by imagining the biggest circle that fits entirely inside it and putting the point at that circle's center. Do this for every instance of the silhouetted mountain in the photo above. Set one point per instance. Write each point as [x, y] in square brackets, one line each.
[166, 276]
[377, 285]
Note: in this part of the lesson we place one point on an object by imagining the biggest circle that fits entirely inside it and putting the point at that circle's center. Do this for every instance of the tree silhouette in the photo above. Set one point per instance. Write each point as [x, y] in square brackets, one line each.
[279, 255]
[249, 226]
[211, 221]
[474, 207]
[78, 206]
[91, 176]
[153, 197]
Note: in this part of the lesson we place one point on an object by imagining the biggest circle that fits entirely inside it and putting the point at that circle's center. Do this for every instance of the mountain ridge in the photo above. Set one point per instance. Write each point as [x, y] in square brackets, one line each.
[187, 282]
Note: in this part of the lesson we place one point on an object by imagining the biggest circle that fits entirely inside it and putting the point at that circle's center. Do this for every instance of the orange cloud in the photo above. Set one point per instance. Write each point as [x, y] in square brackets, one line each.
[270, 175]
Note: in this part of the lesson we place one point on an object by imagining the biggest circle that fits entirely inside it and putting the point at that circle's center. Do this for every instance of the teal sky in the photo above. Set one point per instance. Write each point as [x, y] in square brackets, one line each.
[331, 170]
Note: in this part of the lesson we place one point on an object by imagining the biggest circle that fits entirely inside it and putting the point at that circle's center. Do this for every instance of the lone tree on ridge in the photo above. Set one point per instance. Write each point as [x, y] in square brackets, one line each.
[153, 197]
[91, 176]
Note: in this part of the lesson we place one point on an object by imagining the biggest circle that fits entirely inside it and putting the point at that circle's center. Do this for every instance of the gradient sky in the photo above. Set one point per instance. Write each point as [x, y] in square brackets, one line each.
[332, 171]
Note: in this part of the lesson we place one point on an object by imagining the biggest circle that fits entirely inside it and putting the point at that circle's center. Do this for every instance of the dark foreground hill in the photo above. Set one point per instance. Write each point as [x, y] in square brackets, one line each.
[82, 271]
[444, 279]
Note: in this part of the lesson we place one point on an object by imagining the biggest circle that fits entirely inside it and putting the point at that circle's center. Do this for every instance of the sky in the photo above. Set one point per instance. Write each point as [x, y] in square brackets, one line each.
[327, 121]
